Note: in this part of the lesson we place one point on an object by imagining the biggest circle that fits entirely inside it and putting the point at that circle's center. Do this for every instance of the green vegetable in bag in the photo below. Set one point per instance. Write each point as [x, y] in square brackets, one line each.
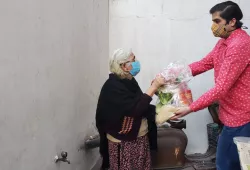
[165, 97]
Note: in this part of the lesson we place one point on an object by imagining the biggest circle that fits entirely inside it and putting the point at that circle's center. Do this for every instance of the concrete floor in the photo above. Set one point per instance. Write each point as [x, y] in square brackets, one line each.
[187, 167]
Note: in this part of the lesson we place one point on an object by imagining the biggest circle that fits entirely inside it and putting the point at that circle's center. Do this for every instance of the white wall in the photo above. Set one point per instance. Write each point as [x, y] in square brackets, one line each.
[53, 61]
[162, 31]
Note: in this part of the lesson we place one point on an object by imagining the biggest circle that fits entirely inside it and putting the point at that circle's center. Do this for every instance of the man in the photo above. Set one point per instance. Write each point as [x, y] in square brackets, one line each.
[230, 59]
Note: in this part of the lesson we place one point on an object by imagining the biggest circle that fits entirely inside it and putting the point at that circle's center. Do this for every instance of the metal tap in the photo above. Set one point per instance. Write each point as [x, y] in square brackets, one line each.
[63, 158]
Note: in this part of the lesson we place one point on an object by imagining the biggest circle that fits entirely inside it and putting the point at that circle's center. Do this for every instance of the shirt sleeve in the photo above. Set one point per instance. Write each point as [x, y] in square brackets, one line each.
[203, 65]
[235, 62]
[206, 63]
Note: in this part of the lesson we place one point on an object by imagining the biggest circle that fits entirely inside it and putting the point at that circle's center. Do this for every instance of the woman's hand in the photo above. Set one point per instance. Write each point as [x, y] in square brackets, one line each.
[155, 84]
[158, 82]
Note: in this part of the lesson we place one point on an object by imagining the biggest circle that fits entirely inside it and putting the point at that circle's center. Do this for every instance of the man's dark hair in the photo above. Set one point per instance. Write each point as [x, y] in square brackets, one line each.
[229, 10]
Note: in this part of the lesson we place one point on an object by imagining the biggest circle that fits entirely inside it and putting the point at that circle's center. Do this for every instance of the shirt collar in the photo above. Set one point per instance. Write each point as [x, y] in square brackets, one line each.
[232, 36]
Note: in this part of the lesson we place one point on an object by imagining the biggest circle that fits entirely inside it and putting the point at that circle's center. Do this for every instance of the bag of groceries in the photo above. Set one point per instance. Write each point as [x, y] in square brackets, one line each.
[175, 93]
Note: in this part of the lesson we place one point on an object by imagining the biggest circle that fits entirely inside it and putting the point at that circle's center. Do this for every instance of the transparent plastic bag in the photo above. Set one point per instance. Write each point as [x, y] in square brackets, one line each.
[176, 73]
[179, 97]
[175, 92]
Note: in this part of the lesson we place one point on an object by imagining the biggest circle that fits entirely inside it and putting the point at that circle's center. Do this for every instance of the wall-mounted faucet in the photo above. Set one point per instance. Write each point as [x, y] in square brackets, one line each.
[63, 158]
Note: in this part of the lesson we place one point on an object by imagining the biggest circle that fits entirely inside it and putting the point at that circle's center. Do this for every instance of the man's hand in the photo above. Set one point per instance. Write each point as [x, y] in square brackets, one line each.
[183, 111]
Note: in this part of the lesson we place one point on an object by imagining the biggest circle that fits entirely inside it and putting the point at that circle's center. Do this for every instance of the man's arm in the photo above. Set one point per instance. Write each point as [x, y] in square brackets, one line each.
[203, 65]
[234, 64]
[206, 63]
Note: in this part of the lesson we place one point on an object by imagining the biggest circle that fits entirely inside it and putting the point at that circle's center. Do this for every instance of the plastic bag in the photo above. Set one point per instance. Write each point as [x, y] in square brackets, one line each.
[179, 97]
[166, 112]
[176, 92]
[176, 73]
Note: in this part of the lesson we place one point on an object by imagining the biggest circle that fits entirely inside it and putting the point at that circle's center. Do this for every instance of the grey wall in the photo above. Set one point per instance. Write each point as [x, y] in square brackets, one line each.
[53, 61]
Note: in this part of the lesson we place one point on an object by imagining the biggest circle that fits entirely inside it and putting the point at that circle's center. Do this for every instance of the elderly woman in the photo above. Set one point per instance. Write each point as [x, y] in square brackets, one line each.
[124, 117]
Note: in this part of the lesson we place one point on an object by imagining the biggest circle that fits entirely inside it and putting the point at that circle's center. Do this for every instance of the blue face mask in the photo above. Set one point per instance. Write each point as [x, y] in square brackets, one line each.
[136, 67]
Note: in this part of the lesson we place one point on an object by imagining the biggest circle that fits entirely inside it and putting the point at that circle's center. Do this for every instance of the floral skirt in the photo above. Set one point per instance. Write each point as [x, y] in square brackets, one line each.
[130, 155]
